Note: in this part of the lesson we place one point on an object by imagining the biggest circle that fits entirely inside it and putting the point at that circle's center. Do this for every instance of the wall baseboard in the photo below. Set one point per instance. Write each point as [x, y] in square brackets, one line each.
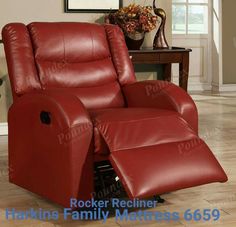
[199, 87]
[196, 86]
[223, 87]
[3, 129]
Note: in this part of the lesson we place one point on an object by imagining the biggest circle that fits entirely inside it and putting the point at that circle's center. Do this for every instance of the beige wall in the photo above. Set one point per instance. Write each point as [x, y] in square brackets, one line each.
[27, 11]
[229, 41]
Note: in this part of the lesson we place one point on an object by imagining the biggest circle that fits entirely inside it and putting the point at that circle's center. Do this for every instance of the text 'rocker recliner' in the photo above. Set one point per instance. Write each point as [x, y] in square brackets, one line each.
[77, 102]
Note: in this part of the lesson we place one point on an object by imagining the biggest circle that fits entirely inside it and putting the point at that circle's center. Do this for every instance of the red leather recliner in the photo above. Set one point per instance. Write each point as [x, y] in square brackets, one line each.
[77, 102]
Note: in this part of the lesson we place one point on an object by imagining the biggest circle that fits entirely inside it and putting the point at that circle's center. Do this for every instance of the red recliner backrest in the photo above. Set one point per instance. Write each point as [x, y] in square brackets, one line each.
[91, 59]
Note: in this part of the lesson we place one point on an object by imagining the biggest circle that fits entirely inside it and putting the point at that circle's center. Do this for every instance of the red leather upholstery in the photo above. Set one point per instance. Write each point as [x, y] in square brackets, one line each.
[121, 128]
[126, 124]
[59, 55]
[162, 94]
[120, 56]
[160, 159]
[76, 100]
[49, 159]
[166, 167]
[19, 50]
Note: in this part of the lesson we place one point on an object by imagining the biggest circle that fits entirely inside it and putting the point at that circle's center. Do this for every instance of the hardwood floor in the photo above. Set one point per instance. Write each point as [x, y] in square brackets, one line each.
[217, 127]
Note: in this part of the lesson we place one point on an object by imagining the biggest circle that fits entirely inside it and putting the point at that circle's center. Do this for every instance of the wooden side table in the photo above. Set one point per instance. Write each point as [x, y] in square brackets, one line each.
[165, 57]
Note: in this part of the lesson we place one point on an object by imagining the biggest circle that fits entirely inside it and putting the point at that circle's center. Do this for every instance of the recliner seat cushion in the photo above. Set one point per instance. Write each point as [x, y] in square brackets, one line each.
[137, 127]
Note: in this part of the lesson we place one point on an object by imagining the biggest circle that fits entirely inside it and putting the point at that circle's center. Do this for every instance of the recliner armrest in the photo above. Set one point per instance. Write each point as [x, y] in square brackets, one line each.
[52, 134]
[64, 108]
[164, 95]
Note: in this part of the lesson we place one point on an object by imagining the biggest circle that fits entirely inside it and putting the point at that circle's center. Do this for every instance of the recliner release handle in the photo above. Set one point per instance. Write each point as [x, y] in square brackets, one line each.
[45, 117]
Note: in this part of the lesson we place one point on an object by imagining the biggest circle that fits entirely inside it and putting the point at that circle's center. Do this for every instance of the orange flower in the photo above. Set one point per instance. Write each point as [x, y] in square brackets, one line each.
[134, 18]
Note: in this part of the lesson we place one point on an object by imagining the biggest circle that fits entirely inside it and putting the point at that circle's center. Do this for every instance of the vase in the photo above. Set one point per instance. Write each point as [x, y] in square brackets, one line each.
[135, 40]
[160, 38]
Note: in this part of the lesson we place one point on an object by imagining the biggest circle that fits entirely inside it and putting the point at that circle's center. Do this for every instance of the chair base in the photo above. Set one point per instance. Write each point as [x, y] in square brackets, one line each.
[103, 170]
[159, 199]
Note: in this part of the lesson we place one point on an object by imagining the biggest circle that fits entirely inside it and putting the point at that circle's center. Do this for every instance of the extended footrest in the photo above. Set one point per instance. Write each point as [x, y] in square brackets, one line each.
[151, 158]
[158, 169]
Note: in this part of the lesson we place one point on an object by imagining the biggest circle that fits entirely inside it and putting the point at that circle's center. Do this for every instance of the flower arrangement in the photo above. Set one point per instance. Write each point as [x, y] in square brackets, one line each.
[134, 18]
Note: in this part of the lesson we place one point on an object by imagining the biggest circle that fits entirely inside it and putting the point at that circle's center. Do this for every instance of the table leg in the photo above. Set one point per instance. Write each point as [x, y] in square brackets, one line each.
[184, 72]
[167, 72]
